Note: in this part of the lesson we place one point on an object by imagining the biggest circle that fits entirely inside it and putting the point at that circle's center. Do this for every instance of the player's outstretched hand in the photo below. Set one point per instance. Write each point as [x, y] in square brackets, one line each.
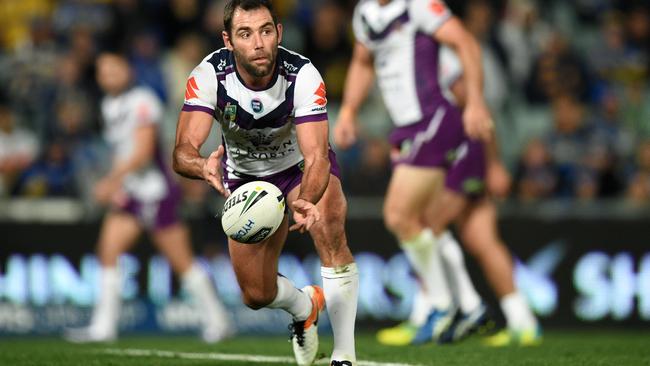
[478, 122]
[345, 130]
[305, 214]
[211, 172]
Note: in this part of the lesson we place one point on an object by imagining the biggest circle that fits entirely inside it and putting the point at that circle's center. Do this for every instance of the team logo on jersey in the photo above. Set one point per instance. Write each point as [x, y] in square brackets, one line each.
[230, 112]
[191, 88]
[321, 94]
[257, 105]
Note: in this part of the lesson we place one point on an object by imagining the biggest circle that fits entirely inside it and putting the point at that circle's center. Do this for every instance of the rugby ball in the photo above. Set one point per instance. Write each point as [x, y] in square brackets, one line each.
[253, 212]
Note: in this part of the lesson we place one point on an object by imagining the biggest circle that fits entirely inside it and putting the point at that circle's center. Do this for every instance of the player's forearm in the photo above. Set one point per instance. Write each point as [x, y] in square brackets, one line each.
[315, 178]
[492, 150]
[122, 168]
[358, 82]
[188, 162]
[469, 52]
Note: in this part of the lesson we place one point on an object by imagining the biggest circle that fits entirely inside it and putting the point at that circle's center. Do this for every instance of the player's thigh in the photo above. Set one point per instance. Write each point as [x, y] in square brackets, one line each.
[410, 189]
[119, 231]
[256, 265]
[174, 242]
[443, 209]
[332, 206]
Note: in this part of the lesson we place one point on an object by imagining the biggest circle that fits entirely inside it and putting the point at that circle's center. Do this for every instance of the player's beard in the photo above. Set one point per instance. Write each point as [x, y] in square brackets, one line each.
[258, 71]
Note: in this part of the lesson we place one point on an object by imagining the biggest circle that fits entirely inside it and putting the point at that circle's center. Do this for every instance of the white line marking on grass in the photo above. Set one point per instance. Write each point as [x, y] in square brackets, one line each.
[133, 352]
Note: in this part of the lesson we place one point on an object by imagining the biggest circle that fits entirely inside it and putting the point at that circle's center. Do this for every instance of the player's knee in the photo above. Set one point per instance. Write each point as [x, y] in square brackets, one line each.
[257, 298]
[397, 222]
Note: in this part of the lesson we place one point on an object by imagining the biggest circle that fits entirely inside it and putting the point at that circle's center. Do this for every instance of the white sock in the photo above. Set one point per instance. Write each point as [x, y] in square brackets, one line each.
[425, 259]
[518, 315]
[422, 306]
[460, 282]
[198, 285]
[292, 300]
[341, 286]
[106, 312]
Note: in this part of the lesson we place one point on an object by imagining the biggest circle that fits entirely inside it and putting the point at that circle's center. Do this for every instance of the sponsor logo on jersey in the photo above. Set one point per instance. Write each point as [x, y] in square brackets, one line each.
[260, 139]
[221, 65]
[473, 185]
[191, 88]
[321, 94]
[289, 67]
[230, 112]
[257, 105]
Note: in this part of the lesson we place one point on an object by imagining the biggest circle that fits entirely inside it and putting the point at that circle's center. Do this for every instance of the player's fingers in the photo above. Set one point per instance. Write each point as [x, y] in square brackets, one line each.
[219, 152]
[315, 214]
[216, 183]
[299, 205]
[295, 226]
[310, 222]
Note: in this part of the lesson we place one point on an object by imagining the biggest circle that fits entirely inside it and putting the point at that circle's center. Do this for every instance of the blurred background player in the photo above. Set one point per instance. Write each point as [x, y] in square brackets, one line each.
[143, 197]
[271, 105]
[465, 202]
[399, 41]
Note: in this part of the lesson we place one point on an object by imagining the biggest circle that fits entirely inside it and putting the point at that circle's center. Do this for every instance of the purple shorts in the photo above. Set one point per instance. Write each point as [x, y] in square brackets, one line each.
[156, 215]
[286, 180]
[466, 175]
[430, 143]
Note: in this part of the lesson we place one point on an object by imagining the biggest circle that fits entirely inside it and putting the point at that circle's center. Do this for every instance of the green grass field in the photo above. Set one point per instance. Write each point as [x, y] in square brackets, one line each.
[589, 348]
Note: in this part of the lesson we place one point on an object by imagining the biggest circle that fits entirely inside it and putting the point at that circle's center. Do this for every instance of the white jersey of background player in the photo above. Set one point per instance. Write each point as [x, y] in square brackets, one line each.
[122, 115]
[486, 246]
[142, 195]
[398, 43]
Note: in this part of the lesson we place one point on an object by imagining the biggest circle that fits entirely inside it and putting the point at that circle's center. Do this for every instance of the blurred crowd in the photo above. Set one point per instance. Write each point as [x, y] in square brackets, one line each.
[568, 82]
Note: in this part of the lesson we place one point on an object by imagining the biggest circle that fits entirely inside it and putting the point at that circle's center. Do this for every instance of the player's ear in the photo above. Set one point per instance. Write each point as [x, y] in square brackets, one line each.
[226, 40]
[279, 28]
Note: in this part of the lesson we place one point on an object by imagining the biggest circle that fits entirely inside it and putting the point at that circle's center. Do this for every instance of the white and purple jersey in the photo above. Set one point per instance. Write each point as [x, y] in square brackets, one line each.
[258, 126]
[123, 115]
[400, 37]
[450, 70]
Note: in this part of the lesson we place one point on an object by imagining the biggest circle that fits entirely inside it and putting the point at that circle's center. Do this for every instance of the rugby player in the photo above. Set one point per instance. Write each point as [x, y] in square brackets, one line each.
[271, 105]
[143, 196]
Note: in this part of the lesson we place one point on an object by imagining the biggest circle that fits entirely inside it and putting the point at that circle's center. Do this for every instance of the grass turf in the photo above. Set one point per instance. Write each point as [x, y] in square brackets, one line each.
[590, 348]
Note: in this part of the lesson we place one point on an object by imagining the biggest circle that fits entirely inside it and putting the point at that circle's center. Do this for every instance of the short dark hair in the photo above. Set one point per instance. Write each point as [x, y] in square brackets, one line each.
[232, 5]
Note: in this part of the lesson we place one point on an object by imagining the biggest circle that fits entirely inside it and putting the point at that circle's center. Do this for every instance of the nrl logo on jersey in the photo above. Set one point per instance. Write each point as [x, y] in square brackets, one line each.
[230, 112]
